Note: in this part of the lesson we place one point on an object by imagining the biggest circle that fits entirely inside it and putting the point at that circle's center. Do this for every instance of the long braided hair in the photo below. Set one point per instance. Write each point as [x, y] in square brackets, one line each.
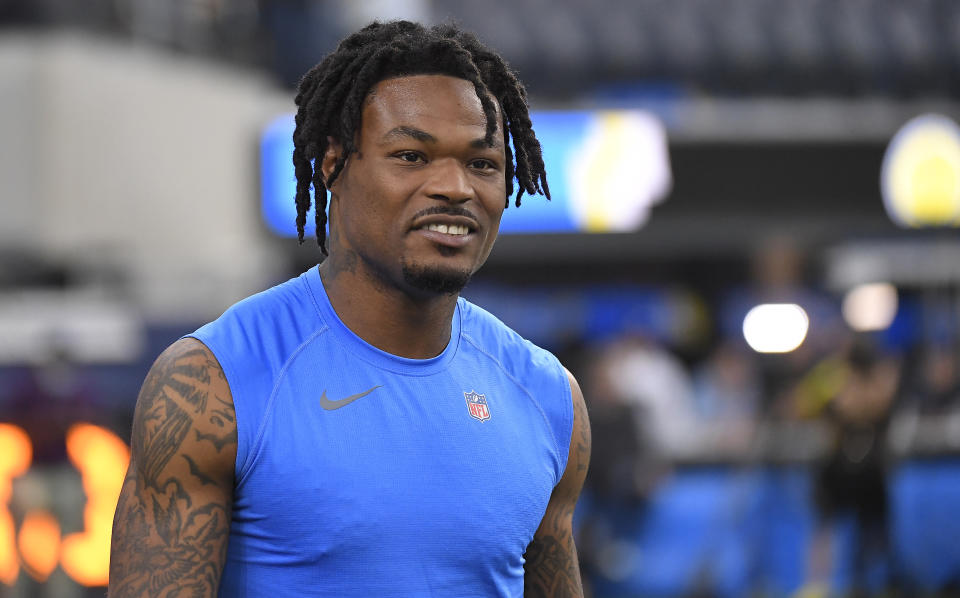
[330, 102]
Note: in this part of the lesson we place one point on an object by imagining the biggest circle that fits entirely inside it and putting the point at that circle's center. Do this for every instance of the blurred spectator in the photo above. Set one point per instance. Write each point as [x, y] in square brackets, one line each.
[727, 394]
[656, 386]
[854, 393]
[617, 472]
[779, 275]
[628, 461]
[936, 389]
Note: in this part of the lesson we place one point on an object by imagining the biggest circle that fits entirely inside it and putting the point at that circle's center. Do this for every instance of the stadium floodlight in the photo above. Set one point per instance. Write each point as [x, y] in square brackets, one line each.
[775, 327]
[870, 306]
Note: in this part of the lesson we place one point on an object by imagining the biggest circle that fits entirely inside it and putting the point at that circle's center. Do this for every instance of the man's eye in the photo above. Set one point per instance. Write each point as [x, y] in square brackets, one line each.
[483, 164]
[410, 156]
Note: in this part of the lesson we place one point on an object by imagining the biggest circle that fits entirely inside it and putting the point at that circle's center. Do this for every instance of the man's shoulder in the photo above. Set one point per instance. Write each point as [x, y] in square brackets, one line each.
[273, 321]
[289, 299]
[492, 336]
[483, 326]
[293, 293]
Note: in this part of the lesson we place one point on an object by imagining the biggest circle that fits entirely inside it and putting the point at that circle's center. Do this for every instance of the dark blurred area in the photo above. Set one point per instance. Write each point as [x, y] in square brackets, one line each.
[563, 48]
[770, 359]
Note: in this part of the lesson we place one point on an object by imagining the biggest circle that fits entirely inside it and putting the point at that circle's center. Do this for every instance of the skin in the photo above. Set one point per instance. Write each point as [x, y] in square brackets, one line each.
[420, 147]
[172, 518]
[552, 569]
[421, 158]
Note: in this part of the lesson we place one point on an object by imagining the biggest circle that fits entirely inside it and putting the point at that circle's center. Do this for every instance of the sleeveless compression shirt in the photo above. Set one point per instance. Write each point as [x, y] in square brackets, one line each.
[361, 473]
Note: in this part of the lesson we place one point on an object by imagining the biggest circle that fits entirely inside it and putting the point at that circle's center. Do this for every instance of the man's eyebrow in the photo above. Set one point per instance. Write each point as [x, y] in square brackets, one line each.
[405, 131]
[481, 143]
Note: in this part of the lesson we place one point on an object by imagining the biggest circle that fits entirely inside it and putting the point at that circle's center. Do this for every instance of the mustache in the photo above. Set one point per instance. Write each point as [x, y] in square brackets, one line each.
[447, 211]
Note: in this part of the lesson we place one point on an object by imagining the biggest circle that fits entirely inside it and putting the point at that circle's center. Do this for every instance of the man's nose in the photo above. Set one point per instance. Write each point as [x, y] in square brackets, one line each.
[449, 181]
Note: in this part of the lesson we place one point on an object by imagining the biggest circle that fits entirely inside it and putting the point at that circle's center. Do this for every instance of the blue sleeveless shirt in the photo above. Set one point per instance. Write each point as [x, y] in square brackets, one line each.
[361, 473]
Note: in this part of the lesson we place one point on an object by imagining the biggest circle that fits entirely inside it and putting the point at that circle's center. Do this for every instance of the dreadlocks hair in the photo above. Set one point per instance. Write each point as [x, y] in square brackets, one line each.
[330, 103]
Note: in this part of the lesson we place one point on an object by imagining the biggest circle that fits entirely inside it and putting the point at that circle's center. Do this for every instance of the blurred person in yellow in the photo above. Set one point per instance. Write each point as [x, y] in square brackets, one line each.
[853, 392]
[361, 430]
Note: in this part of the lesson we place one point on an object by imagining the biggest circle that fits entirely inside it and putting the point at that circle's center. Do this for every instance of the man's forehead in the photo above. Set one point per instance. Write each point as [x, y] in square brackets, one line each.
[408, 99]
[417, 82]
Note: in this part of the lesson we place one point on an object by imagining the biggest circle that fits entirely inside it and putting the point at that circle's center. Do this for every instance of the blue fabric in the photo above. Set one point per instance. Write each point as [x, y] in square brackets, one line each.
[401, 492]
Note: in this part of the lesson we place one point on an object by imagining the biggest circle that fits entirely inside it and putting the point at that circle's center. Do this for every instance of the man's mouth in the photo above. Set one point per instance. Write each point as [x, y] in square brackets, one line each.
[446, 231]
[452, 229]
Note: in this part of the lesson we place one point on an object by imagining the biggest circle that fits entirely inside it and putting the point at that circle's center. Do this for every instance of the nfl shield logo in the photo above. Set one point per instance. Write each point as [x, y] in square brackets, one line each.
[477, 404]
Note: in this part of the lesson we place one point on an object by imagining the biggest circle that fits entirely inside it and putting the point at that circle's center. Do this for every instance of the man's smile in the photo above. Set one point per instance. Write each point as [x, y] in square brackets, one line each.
[450, 226]
[454, 229]
[454, 236]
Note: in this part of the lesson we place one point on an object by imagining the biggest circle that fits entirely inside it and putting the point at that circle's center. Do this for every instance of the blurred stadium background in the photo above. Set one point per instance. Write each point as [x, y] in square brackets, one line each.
[751, 264]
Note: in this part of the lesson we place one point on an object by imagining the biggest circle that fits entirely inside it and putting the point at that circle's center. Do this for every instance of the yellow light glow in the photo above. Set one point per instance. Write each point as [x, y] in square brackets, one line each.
[16, 452]
[775, 327]
[101, 458]
[620, 172]
[39, 542]
[920, 177]
[870, 306]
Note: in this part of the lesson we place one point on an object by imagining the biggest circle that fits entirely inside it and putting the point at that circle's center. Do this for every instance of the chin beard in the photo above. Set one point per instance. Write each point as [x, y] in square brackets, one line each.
[435, 280]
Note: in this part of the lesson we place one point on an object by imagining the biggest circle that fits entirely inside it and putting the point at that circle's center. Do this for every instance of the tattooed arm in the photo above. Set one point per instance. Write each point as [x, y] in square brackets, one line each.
[551, 569]
[170, 527]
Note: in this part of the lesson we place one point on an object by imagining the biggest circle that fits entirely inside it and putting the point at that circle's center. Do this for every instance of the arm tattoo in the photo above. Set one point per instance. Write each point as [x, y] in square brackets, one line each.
[551, 569]
[174, 388]
[222, 417]
[196, 472]
[172, 519]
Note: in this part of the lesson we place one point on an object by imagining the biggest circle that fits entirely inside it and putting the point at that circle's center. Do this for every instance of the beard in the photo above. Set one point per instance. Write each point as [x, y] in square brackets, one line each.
[435, 280]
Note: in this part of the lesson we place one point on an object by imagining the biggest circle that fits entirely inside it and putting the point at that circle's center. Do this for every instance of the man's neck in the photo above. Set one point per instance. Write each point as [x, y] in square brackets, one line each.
[389, 318]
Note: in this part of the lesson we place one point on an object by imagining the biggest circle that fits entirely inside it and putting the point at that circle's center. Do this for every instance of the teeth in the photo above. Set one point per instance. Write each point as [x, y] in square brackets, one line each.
[453, 229]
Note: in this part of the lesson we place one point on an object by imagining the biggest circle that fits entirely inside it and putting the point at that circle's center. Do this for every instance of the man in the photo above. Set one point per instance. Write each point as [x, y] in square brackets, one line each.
[360, 430]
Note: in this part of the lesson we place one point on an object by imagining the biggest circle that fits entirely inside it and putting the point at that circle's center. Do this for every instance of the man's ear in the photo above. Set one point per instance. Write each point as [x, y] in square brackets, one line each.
[330, 157]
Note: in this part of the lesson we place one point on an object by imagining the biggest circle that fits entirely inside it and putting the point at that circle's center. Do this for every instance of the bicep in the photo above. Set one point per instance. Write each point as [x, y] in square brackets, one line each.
[172, 518]
[551, 567]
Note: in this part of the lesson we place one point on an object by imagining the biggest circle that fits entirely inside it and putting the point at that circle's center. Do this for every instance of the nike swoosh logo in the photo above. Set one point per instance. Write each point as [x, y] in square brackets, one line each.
[331, 405]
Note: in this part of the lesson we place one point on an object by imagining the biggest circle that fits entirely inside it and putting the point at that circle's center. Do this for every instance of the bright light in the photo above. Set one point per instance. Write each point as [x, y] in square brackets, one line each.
[870, 306]
[102, 458]
[39, 543]
[16, 452]
[920, 176]
[619, 172]
[775, 327]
